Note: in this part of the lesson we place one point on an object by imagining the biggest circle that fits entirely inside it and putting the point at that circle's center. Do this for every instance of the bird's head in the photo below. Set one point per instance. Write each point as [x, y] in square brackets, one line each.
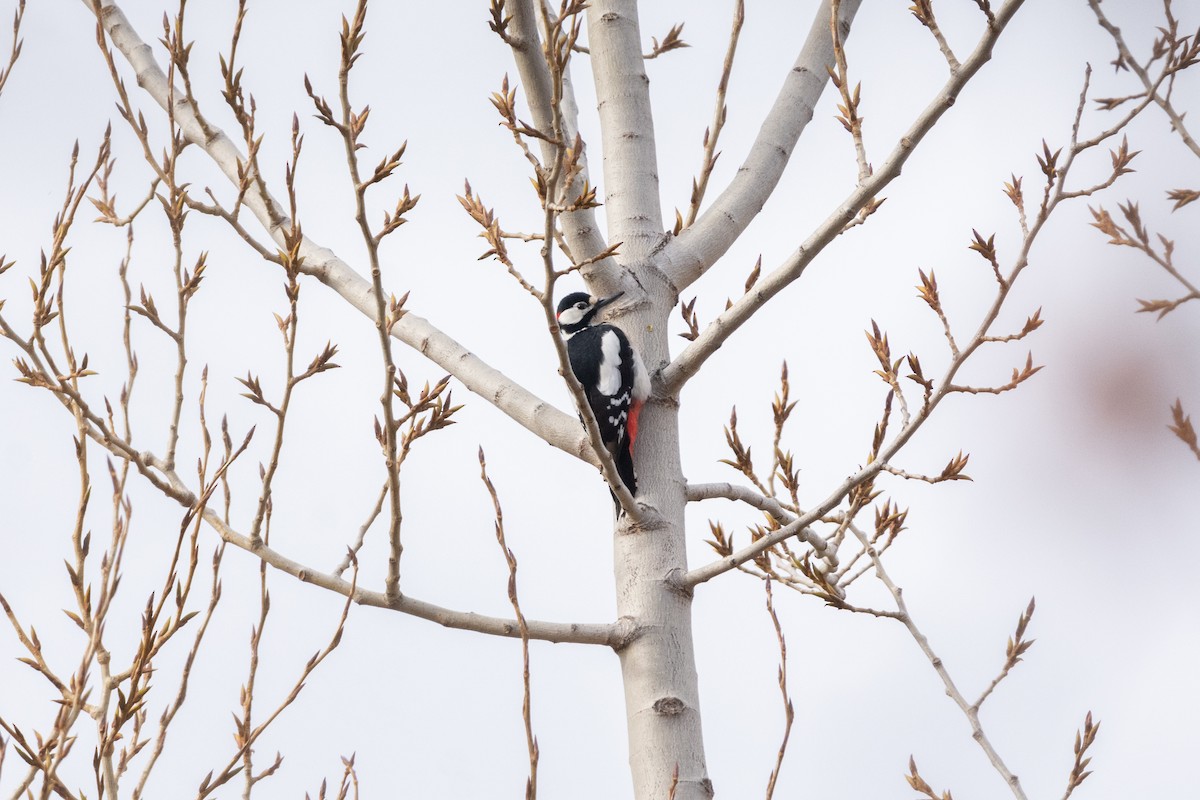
[578, 310]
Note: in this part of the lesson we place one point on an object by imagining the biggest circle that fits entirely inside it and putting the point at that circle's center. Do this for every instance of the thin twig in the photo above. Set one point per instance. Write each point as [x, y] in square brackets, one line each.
[788, 711]
[350, 127]
[850, 118]
[970, 711]
[530, 740]
[558, 50]
[362, 533]
[214, 780]
[713, 132]
[17, 42]
[1126, 59]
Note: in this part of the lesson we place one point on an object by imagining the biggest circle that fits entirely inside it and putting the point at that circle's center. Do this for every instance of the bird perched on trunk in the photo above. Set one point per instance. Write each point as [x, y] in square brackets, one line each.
[612, 375]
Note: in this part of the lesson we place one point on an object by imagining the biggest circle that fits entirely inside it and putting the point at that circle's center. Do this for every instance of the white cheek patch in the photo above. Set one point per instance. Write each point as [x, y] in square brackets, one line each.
[610, 363]
[570, 316]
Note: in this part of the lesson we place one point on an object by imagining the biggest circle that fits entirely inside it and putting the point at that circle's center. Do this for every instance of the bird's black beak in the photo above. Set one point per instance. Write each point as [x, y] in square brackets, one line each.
[605, 301]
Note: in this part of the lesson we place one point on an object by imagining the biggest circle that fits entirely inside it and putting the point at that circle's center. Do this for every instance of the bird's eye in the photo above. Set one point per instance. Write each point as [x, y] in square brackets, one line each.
[581, 305]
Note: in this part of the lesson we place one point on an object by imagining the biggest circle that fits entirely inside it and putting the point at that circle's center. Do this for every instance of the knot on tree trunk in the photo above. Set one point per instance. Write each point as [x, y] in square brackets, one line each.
[669, 706]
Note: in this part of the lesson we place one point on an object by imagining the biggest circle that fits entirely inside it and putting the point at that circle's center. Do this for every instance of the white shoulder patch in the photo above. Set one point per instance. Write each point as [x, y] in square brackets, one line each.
[641, 379]
[610, 363]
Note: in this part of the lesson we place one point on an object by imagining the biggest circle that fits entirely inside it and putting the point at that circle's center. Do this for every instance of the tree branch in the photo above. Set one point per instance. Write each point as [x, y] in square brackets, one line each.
[525, 408]
[699, 246]
[611, 634]
[798, 527]
[971, 712]
[1151, 86]
[687, 363]
[167, 481]
[728, 491]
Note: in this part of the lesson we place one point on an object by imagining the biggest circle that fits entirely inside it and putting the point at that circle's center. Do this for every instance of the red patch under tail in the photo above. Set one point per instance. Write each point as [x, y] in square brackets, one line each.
[635, 410]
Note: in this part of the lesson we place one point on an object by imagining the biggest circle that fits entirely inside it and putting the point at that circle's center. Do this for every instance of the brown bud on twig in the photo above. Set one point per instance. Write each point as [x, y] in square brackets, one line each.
[1182, 427]
[688, 312]
[671, 41]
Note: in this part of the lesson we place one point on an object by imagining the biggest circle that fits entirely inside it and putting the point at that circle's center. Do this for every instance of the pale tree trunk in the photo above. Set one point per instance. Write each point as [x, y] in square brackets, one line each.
[662, 701]
[662, 698]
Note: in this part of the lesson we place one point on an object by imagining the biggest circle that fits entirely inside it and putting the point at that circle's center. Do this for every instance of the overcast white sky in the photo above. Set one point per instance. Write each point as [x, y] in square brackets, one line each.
[1080, 494]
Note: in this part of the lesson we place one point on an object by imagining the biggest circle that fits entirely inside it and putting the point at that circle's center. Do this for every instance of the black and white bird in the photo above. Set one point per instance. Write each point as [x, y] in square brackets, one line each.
[612, 375]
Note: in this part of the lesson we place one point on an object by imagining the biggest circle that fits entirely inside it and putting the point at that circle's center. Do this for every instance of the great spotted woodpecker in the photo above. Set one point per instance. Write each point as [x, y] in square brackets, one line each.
[612, 375]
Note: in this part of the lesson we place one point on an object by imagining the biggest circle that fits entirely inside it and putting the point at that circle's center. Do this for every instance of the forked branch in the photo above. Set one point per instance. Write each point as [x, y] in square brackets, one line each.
[688, 362]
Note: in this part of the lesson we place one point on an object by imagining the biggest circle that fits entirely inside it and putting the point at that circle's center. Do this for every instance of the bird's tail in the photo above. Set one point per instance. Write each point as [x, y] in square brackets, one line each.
[623, 459]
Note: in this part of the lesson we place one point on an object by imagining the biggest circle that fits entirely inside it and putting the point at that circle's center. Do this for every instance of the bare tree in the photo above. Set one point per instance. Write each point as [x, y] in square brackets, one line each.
[817, 542]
